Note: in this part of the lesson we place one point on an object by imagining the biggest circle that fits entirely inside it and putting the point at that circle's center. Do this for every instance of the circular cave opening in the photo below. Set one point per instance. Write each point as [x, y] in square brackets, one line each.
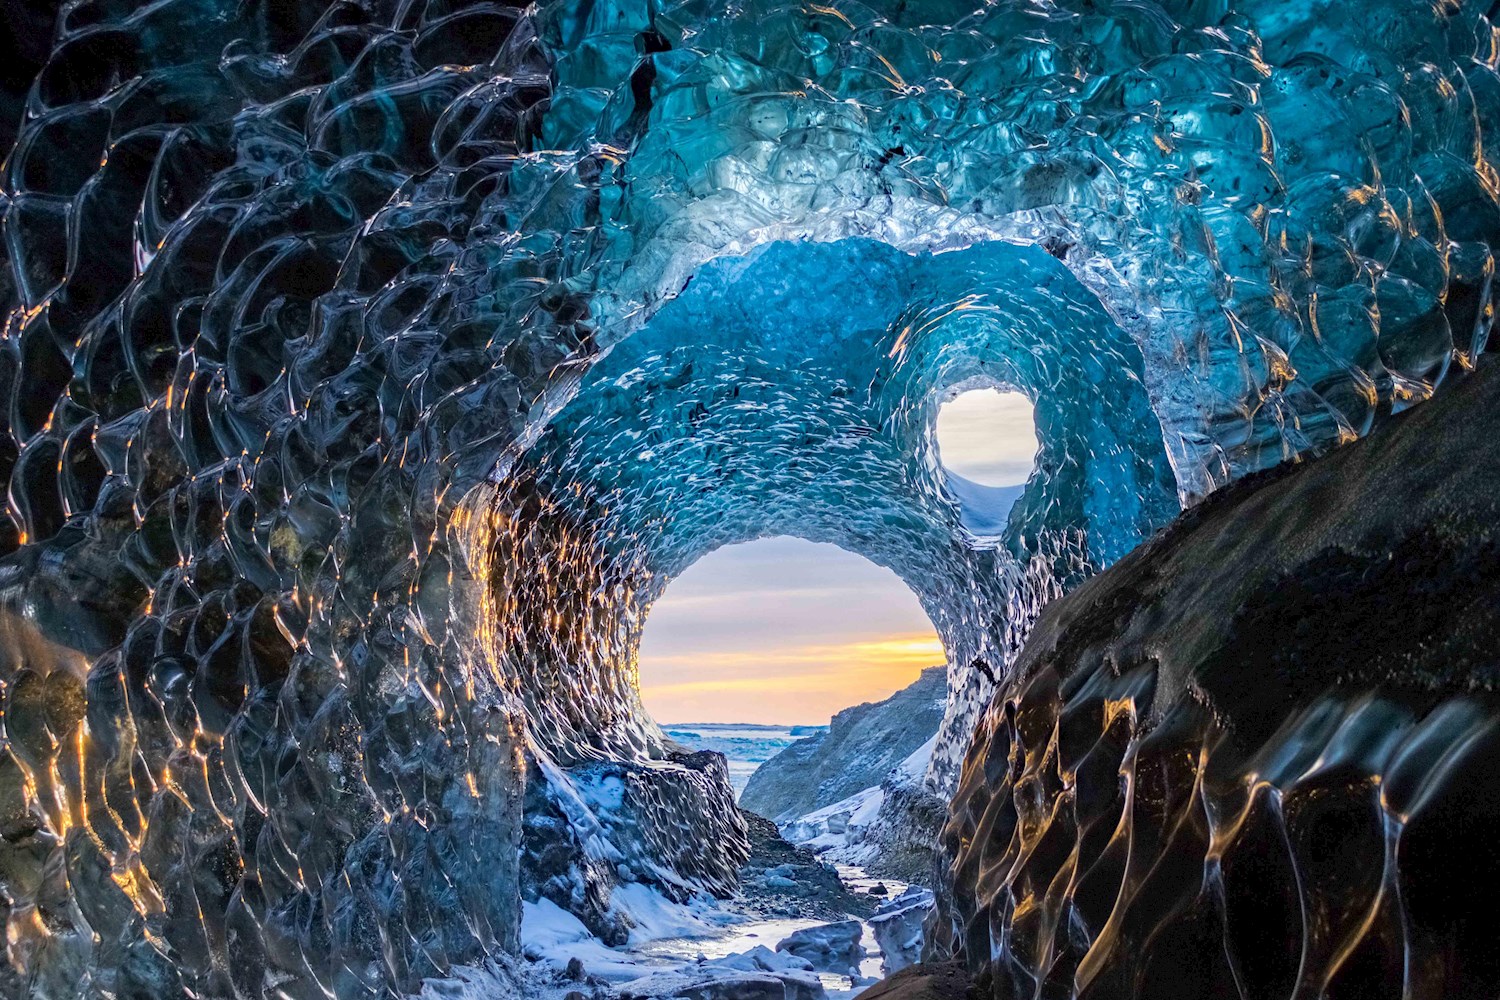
[759, 645]
[987, 445]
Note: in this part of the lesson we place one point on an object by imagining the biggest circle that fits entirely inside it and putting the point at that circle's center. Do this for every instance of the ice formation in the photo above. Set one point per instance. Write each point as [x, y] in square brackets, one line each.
[793, 391]
[370, 367]
[1279, 781]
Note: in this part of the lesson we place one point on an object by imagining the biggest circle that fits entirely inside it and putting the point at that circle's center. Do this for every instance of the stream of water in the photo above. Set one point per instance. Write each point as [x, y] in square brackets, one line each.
[739, 937]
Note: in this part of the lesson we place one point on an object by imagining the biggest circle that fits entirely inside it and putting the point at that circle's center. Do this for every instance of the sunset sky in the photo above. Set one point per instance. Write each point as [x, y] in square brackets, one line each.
[787, 631]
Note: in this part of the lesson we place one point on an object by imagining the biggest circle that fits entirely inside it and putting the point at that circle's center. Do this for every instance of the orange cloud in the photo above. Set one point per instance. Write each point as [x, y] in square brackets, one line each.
[796, 685]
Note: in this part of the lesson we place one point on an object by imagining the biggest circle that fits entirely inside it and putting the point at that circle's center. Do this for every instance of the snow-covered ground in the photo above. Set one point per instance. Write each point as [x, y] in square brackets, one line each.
[705, 937]
[669, 936]
[837, 832]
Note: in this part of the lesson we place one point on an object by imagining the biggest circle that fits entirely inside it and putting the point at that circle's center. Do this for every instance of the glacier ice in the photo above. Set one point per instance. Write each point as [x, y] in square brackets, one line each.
[793, 390]
[1279, 781]
[369, 368]
[897, 927]
[829, 947]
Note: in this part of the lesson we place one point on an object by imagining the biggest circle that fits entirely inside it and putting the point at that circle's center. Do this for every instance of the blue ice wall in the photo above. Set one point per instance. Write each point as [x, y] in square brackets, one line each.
[795, 391]
[1263, 194]
[320, 324]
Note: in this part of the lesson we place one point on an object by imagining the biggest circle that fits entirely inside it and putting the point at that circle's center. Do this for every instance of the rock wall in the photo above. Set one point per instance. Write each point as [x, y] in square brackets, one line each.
[862, 745]
[1257, 757]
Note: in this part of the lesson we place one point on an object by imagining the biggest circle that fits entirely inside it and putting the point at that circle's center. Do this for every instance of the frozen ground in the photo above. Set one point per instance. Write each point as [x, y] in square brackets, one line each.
[736, 934]
[668, 937]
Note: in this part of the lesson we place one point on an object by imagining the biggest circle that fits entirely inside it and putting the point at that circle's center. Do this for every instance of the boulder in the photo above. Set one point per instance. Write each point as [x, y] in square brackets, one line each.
[715, 982]
[829, 947]
[942, 981]
[897, 928]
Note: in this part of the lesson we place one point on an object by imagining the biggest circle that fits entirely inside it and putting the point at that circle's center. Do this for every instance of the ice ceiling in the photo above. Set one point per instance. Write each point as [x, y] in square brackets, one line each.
[372, 367]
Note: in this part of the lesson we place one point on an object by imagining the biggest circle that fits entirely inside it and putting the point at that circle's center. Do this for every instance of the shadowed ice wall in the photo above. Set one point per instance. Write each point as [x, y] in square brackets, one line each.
[305, 307]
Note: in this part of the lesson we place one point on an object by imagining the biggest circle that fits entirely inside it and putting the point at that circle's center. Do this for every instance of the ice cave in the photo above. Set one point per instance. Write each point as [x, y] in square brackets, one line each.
[371, 368]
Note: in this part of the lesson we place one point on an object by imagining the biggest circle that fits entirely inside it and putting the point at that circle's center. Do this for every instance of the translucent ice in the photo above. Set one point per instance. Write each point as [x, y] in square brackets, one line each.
[370, 367]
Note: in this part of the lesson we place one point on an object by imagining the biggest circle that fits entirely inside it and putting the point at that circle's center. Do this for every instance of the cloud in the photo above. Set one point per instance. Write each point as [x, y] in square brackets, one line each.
[781, 630]
[734, 598]
[898, 650]
[988, 437]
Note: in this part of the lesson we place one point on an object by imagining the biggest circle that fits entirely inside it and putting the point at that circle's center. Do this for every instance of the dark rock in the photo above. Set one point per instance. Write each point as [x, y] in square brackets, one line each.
[829, 947]
[941, 981]
[1264, 746]
[713, 983]
[781, 879]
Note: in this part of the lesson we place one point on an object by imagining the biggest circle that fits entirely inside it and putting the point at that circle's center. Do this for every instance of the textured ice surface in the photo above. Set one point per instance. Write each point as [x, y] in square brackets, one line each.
[793, 391]
[1275, 782]
[370, 367]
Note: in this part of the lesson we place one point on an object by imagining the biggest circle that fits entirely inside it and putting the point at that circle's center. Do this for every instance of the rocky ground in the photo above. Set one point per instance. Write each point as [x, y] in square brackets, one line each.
[784, 880]
[856, 794]
[799, 929]
[862, 745]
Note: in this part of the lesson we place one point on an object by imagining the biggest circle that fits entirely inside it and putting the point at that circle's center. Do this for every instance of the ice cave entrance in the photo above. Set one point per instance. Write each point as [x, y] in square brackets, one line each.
[755, 644]
[987, 444]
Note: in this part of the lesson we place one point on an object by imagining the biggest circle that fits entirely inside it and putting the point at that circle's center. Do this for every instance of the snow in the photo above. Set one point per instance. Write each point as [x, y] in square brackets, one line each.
[653, 917]
[670, 943]
[837, 818]
[839, 829]
[911, 770]
[546, 927]
[983, 510]
[553, 936]
[498, 978]
[837, 832]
